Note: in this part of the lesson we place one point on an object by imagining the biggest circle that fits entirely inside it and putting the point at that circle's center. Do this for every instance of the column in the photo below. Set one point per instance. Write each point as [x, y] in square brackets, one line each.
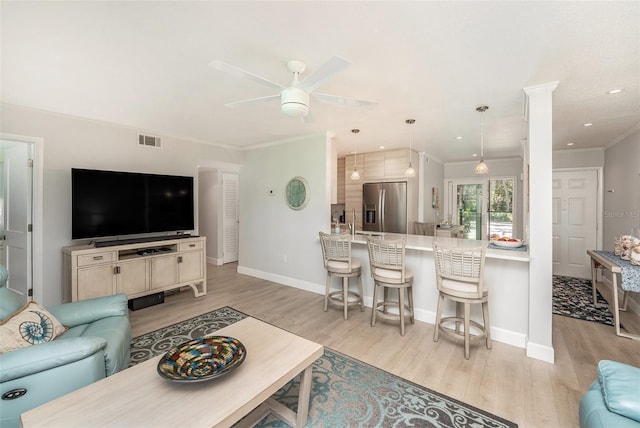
[540, 172]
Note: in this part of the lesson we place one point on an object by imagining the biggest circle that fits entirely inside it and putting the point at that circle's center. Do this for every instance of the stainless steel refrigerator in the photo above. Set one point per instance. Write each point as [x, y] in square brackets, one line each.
[384, 207]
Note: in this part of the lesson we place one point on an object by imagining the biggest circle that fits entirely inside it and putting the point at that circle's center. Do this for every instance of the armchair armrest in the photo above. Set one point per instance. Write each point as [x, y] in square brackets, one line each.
[88, 311]
[37, 358]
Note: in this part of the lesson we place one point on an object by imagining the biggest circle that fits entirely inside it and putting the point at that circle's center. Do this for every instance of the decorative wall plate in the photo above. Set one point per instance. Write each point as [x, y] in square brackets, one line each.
[297, 193]
[201, 359]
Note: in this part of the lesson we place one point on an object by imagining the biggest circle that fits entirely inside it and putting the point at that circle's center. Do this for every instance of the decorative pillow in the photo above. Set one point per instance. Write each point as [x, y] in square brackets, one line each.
[29, 326]
[621, 388]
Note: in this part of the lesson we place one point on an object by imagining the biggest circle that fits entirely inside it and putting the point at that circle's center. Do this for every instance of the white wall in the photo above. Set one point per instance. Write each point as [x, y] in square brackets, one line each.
[579, 158]
[433, 172]
[276, 242]
[622, 193]
[70, 142]
[622, 188]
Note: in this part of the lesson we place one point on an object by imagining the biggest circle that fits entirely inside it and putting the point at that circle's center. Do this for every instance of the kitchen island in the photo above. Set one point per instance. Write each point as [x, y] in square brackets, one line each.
[506, 272]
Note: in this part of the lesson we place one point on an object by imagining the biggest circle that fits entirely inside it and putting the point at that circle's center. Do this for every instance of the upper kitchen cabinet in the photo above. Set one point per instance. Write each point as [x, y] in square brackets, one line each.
[396, 162]
[340, 181]
[376, 166]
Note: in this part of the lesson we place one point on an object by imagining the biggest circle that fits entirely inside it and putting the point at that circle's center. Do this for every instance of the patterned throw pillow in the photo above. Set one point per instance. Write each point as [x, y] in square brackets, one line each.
[29, 326]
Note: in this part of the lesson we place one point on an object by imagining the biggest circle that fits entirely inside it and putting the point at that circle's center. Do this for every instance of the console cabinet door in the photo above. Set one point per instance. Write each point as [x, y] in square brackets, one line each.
[164, 271]
[132, 277]
[190, 266]
[95, 281]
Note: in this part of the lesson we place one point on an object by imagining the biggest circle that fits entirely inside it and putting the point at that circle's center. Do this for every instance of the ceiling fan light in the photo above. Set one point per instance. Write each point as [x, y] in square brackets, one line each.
[294, 102]
[482, 168]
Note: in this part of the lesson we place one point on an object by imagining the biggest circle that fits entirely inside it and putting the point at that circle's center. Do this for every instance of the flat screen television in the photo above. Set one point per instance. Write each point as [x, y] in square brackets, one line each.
[112, 203]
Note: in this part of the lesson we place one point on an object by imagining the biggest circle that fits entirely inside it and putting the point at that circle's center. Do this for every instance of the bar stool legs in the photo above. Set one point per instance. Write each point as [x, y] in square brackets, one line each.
[404, 305]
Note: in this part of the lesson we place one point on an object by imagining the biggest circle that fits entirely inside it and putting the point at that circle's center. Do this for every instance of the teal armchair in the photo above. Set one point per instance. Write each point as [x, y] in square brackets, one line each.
[95, 345]
[613, 400]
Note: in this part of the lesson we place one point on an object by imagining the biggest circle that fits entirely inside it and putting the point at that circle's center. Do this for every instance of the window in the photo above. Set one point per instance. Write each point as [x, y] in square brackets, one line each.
[485, 208]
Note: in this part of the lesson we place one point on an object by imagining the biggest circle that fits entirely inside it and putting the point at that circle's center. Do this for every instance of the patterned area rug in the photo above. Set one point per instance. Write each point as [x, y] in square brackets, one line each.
[572, 298]
[345, 392]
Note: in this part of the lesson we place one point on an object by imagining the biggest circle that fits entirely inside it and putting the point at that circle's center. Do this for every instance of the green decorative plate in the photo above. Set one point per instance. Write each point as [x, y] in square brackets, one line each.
[201, 359]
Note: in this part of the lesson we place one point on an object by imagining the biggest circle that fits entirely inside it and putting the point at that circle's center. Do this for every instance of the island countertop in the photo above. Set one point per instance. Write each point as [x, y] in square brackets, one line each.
[425, 243]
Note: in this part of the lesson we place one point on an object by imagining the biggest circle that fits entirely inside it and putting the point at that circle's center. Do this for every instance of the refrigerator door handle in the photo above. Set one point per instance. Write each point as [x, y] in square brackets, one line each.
[383, 195]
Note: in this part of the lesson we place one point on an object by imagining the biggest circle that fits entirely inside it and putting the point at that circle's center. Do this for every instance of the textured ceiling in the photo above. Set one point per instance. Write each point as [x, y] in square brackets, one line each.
[144, 64]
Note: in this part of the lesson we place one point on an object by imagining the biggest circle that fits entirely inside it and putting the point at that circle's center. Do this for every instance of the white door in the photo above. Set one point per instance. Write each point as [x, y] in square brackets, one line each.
[230, 188]
[17, 216]
[574, 221]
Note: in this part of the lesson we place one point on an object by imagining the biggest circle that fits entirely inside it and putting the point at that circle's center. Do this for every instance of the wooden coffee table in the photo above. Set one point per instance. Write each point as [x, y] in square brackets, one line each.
[138, 396]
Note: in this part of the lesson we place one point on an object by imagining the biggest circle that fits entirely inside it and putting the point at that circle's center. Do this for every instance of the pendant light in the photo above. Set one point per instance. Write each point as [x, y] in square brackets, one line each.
[482, 167]
[355, 175]
[410, 172]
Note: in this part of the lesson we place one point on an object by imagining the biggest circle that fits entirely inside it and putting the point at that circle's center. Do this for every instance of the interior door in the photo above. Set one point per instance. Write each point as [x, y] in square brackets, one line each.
[230, 221]
[18, 200]
[574, 221]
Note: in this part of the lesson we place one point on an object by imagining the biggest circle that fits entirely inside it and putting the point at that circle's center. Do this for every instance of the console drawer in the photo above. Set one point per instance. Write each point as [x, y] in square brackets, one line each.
[190, 246]
[96, 258]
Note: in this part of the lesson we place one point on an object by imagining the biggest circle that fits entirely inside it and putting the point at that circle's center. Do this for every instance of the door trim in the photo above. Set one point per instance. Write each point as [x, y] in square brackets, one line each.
[599, 198]
[38, 221]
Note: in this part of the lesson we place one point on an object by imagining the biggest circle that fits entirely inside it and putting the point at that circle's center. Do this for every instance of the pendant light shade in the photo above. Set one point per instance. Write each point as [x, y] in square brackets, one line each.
[410, 172]
[355, 175]
[481, 167]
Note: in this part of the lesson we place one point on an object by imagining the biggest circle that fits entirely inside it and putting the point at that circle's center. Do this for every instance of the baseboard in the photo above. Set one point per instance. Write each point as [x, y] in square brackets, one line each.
[541, 352]
[519, 340]
[281, 279]
[215, 261]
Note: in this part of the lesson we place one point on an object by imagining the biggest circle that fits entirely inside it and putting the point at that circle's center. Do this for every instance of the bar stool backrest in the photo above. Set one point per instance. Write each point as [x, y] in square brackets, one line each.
[460, 271]
[336, 251]
[387, 257]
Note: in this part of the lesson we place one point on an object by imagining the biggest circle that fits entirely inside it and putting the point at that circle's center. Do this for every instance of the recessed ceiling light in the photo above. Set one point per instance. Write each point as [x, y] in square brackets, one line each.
[570, 144]
[475, 155]
[458, 138]
[588, 124]
[615, 91]
[381, 147]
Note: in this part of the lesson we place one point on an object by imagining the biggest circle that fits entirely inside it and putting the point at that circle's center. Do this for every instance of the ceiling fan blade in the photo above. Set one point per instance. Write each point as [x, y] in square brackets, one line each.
[232, 69]
[351, 102]
[326, 71]
[254, 101]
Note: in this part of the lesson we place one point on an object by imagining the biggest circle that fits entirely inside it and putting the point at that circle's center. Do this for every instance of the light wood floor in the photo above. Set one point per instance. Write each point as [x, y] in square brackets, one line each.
[502, 381]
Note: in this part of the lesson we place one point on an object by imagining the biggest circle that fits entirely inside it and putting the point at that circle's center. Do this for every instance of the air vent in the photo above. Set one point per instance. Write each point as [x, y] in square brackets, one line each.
[149, 141]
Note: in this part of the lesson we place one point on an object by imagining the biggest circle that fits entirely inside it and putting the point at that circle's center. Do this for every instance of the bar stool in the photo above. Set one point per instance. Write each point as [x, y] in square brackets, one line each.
[336, 252]
[460, 277]
[386, 259]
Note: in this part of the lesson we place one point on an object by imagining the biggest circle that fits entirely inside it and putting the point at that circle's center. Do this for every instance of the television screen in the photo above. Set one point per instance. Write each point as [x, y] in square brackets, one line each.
[111, 203]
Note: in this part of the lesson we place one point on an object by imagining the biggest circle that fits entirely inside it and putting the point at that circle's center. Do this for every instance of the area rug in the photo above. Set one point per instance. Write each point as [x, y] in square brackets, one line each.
[345, 391]
[572, 297]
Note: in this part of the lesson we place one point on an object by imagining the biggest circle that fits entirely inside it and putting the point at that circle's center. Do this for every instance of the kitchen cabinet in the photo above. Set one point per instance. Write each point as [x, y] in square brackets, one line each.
[353, 190]
[396, 163]
[340, 191]
[374, 164]
[136, 269]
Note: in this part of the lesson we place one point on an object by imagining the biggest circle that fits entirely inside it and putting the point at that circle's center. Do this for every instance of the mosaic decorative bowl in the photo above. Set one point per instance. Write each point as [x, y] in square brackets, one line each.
[201, 359]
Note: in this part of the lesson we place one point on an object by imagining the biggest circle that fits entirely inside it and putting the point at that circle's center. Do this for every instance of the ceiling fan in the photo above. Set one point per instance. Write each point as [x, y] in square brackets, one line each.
[294, 99]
